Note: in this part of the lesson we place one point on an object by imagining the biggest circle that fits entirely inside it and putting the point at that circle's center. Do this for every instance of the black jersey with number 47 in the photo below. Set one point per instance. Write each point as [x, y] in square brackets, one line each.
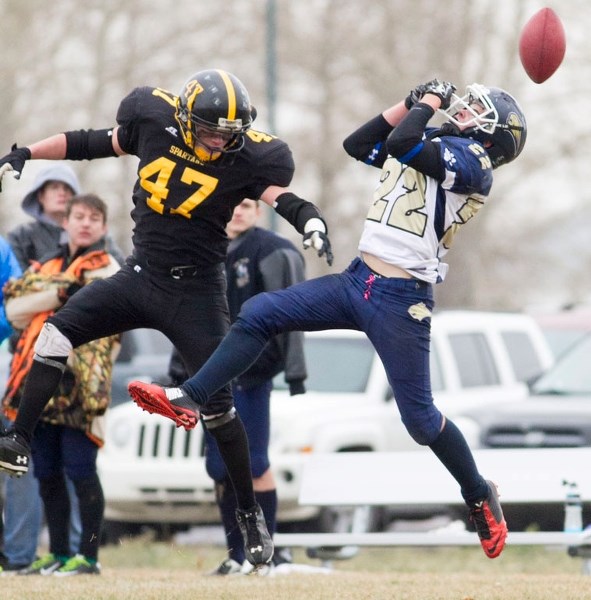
[182, 205]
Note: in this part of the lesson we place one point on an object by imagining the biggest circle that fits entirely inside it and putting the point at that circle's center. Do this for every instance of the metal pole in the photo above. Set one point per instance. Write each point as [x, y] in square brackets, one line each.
[271, 71]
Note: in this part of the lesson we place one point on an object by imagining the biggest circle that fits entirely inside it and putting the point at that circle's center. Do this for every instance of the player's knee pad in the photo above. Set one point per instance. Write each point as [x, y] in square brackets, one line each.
[52, 343]
[214, 423]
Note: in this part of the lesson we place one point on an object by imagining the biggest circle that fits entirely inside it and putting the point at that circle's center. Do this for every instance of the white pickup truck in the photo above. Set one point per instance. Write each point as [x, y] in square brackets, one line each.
[153, 473]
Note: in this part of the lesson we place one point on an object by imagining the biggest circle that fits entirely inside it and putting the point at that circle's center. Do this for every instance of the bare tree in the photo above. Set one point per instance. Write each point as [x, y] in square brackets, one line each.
[68, 64]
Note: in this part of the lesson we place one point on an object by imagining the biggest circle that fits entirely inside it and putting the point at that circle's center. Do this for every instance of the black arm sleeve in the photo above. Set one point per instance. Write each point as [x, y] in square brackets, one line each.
[362, 141]
[296, 211]
[406, 143]
[86, 144]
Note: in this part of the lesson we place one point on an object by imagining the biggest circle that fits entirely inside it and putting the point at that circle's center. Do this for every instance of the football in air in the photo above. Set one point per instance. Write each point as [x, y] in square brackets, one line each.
[542, 45]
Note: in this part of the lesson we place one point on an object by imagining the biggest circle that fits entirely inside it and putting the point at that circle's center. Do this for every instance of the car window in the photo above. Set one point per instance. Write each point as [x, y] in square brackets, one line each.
[561, 340]
[142, 341]
[474, 359]
[146, 356]
[335, 364]
[570, 375]
[522, 354]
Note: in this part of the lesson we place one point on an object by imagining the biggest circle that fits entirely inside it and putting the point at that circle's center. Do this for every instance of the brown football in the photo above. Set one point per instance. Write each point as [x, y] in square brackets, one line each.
[542, 45]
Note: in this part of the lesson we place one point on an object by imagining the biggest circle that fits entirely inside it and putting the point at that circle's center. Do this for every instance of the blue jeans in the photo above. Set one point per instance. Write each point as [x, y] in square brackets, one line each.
[23, 517]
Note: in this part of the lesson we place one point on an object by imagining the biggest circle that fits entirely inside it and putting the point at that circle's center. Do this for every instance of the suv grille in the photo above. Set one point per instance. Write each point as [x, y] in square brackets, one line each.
[534, 437]
[166, 441]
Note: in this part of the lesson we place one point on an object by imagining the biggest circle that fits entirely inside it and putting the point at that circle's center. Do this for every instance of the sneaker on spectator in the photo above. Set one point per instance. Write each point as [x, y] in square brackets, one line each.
[8, 569]
[78, 565]
[45, 565]
[227, 567]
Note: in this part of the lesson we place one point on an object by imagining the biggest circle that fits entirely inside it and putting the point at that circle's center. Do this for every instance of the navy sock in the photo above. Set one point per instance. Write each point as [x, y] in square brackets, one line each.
[226, 500]
[268, 502]
[452, 450]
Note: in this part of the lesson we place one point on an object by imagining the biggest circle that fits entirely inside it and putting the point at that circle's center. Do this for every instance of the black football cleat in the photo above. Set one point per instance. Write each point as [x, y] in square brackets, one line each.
[14, 454]
[258, 545]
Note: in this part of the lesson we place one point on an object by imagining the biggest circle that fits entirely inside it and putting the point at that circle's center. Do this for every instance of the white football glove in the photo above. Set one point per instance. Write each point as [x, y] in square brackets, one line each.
[315, 237]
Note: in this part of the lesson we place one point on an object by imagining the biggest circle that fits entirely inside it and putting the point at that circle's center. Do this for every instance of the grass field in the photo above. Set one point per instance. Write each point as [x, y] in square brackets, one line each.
[142, 569]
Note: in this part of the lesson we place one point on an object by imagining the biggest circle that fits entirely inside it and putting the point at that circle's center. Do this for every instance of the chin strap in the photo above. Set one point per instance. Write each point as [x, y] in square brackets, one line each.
[445, 129]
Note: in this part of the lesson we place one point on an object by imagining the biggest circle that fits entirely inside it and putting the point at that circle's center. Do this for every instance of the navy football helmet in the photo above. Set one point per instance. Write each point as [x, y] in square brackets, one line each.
[501, 127]
[216, 101]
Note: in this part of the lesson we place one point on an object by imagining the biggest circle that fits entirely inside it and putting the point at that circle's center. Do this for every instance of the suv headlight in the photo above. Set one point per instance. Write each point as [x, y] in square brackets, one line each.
[120, 432]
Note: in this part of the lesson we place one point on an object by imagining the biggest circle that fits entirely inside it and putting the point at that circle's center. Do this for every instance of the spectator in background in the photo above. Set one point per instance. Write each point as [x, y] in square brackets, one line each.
[258, 261]
[67, 438]
[45, 202]
[9, 268]
[36, 240]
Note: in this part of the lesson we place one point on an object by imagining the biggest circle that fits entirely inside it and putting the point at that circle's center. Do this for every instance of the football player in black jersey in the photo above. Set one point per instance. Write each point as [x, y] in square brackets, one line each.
[198, 159]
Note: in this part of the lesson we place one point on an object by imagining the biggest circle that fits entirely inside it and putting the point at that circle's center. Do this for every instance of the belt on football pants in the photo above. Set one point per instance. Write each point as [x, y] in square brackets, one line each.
[175, 271]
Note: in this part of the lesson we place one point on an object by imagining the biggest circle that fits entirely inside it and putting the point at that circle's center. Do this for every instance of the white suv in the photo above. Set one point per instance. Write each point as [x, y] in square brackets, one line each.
[153, 472]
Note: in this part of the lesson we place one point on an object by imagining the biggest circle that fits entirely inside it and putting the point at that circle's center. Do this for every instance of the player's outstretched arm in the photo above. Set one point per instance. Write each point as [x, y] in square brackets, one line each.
[71, 145]
[304, 216]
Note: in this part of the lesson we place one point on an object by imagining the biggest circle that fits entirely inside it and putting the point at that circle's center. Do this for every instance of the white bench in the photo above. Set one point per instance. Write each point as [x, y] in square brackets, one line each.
[406, 478]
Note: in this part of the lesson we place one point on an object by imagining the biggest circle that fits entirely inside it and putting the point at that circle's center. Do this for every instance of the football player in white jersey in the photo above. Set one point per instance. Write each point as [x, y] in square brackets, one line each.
[433, 180]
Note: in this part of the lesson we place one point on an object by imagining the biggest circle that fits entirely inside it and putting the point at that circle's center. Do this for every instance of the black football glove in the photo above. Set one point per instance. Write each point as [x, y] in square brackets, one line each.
[442, 89]
[315, 237]
[414, 96]
[15, 162]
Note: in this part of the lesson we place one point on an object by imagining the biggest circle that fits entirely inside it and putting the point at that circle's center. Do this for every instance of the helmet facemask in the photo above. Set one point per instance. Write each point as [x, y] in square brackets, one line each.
[213, 102]
[192, 126]
[485, 121]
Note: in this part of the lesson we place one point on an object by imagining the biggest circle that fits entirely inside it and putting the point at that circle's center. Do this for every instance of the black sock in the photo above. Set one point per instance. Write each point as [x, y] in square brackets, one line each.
[40, 385]
[233, 446]
[452, 450]
[92, 508]
[56, 503]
